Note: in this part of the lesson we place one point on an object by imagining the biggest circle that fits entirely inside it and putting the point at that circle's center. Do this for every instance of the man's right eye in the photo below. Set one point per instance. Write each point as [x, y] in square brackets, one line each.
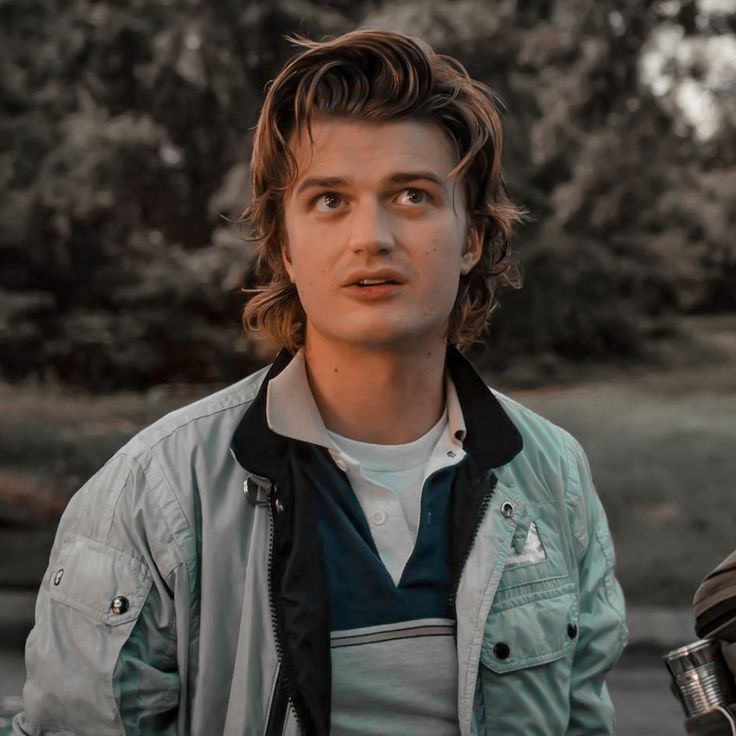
[327, 201]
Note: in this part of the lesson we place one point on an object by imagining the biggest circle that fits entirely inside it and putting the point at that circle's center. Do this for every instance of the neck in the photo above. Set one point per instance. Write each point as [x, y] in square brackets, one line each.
[385, 397]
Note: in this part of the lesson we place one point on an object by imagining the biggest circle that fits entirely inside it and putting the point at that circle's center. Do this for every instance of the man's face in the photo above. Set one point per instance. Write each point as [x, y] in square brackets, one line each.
[373, 201]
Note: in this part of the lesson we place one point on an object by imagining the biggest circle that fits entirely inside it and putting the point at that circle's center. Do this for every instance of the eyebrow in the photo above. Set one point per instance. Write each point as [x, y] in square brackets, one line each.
[398, 178]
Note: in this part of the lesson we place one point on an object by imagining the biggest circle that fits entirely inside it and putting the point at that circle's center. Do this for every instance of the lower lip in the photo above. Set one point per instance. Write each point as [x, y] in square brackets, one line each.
[378, 291]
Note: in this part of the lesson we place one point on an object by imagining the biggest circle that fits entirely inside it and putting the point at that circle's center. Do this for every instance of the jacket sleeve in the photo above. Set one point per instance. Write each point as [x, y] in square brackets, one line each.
[602, 631]
[101, 657]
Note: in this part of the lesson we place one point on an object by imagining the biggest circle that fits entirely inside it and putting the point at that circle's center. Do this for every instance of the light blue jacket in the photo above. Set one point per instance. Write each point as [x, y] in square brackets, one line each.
[154, 616]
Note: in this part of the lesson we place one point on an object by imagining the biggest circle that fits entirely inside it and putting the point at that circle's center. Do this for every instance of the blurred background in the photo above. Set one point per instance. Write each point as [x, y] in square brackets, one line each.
[124, 141]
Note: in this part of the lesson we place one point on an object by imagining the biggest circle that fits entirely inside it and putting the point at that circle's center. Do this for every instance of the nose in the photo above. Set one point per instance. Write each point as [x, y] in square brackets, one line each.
[370, 228]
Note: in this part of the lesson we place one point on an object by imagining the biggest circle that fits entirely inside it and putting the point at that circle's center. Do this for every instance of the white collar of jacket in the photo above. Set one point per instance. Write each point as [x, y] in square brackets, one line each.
[490, 435]
[291, 410]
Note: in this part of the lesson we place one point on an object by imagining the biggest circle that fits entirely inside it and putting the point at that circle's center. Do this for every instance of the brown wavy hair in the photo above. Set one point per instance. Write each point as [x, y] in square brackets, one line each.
[378, 75]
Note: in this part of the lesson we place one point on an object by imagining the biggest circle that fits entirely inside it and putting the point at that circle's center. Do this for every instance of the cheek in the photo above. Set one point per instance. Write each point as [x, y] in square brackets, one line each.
[442, 258]
[311, 277]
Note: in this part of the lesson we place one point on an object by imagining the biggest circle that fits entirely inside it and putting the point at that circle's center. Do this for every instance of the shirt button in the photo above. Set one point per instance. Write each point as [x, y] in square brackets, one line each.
[119, 605]
[450, 453]
[501, 650]
[378, 517]
[572, 630]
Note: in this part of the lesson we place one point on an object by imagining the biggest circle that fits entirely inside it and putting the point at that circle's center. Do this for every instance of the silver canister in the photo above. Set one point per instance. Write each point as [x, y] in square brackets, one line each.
[700, 676]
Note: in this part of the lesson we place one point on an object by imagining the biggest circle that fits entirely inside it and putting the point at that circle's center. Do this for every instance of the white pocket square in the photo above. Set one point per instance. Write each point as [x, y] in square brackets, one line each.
[533, 552]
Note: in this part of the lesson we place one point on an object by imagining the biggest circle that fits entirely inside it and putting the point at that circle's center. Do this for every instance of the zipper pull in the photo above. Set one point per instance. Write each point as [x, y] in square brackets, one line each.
[257, 489]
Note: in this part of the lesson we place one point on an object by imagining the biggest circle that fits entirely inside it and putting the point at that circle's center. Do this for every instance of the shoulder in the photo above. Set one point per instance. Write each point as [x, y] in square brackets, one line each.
[146, 496]
[541, 436]
[191, 424]
[554, 458]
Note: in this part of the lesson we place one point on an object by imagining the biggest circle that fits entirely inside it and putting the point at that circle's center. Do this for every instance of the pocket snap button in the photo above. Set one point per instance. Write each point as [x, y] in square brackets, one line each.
[572, 630]
[501, 650]
[507, 509]
[119, 605]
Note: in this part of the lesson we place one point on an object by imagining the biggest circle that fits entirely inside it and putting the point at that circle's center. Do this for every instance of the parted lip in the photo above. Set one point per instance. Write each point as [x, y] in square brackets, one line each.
[386, 274]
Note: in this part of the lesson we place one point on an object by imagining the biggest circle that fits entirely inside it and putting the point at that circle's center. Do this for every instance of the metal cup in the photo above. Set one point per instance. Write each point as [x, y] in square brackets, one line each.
[700, 676]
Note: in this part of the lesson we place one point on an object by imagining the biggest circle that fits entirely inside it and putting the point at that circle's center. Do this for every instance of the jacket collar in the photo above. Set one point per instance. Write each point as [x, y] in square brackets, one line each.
[491, 437]
[291, 410]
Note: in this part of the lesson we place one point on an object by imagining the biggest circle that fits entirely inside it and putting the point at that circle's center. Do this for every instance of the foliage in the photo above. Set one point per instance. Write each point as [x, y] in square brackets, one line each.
[125, 131]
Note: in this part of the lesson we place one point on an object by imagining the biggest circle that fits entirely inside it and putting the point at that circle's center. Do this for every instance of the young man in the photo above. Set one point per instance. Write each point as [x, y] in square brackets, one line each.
[361, 538]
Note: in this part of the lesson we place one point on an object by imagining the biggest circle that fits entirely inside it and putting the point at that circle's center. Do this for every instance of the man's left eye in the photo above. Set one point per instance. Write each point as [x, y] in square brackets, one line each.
[413, 196]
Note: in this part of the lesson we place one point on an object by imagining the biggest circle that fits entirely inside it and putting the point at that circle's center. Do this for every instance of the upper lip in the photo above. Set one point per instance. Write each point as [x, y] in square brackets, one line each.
[386, 274]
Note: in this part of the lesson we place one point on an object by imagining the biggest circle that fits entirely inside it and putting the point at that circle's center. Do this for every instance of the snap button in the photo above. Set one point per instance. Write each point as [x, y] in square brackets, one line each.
[279, 506]
[379, 517]
[572, 630]
[59, 575]
[507, 509]
[119, 605]
[501, 650]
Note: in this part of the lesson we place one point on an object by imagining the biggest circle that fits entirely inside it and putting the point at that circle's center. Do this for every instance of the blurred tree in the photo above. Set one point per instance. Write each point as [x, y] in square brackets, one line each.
[124, 131]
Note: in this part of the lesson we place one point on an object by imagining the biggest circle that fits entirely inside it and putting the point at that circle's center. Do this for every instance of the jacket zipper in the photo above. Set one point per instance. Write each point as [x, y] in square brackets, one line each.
[275, 506]
[276, 722]
[481, 515]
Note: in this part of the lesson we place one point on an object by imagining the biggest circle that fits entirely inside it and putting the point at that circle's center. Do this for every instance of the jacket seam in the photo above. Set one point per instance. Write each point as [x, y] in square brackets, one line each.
[206, 415]
[594, 537]
[572, 446]
[181, 557]
[149, 454]
[173, 692]
[167, 578]
[128, 481]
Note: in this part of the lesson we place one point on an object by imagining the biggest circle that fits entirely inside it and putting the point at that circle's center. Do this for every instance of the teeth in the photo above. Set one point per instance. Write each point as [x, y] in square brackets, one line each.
[370, 282]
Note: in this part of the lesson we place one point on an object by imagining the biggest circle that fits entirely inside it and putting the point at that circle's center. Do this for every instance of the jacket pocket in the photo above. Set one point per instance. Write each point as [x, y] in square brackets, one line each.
[90, 600]
[104, 583]
[535, 629]
[537, 558]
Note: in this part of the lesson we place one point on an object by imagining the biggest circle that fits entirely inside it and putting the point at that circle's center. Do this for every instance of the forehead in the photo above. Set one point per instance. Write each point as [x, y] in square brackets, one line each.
[368, 151]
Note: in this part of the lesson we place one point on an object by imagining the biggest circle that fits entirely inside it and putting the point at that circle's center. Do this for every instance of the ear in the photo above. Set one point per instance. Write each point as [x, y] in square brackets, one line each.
[473, 251]
[288, 265]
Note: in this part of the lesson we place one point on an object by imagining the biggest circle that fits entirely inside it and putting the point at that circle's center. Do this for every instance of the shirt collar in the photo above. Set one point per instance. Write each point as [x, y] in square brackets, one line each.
[291, 410]
[491, 437]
